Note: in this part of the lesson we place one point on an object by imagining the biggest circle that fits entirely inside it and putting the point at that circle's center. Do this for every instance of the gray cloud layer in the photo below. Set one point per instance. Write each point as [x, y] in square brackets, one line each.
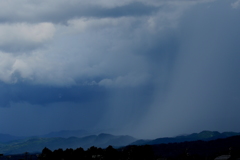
[149, 69]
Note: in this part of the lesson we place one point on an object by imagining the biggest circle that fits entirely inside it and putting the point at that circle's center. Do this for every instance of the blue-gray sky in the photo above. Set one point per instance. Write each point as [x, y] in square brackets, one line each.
[144, 68]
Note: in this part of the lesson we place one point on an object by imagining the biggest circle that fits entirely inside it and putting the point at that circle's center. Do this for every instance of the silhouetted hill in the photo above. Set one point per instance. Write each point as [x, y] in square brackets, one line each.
[36, 144]
[194, 150]
[199, 149]
[204, 135]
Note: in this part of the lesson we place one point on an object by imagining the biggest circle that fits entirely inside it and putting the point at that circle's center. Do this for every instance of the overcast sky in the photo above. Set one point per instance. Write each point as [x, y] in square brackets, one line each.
[144, 68]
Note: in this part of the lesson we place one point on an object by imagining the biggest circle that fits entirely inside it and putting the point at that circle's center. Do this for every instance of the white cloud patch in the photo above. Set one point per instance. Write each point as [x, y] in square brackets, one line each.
[20, 35]
[34, 68]
[6, 62]
[236, 4]
[83, 24]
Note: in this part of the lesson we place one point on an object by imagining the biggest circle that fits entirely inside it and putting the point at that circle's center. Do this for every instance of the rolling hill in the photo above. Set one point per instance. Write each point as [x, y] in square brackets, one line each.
[62, 140]
[34, 145]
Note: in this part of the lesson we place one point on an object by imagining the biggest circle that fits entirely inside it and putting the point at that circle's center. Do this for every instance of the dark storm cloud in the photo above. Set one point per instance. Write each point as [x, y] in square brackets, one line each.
[61, 12]
[20, 48]
[204, 87]
[132, 9]
[43, 95]
[148, 69]
[92, 108]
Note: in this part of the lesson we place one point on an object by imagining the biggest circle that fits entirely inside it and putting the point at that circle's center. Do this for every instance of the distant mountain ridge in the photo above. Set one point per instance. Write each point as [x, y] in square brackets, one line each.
[63, 139]
[67, 134]
[62, 134]
[7, 138]
[204, 135]
[32, 145]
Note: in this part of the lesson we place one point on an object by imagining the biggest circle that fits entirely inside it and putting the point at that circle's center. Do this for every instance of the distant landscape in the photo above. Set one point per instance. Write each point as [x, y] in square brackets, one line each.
[10, 145]
[119, 80]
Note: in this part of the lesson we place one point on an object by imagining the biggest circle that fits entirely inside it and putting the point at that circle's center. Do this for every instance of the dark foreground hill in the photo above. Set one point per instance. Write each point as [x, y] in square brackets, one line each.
[199, 149]
[36, 144]
[195, 150]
